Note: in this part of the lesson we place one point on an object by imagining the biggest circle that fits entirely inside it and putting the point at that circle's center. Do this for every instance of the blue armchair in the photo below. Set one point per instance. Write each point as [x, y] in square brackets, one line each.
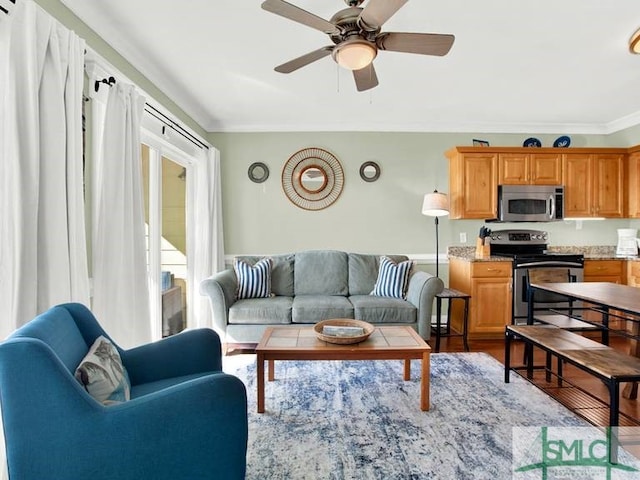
[186, 419]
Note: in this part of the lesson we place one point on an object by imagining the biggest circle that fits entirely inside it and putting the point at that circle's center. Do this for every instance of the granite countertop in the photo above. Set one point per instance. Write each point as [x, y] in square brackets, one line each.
[469, 254]
[598, 252]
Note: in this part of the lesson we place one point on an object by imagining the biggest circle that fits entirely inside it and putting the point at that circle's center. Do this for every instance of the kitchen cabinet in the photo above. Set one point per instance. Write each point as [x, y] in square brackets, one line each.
[489, 284]
[633, 183]
[529, 169]
[633, 273]
[594, 178]
[605, 271]
[473, 184]
[594, 185]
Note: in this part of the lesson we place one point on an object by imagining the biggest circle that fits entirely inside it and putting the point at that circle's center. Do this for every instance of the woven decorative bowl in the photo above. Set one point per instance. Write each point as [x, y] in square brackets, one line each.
[343, 322]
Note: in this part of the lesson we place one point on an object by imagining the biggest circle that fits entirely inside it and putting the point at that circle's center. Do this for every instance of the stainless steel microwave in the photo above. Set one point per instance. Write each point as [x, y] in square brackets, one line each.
[530, 203]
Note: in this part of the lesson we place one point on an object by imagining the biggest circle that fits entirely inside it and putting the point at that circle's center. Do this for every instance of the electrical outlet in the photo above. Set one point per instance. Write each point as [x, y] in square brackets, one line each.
[463, 237]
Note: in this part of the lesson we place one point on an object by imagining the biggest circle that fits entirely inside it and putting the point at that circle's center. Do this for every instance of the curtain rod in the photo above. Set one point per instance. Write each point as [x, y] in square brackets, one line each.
[108, 82]
[4, 10]
[154, 112]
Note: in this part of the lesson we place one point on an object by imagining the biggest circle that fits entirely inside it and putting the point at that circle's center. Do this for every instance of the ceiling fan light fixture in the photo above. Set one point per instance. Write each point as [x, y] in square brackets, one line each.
[354, 54]
[634, 42]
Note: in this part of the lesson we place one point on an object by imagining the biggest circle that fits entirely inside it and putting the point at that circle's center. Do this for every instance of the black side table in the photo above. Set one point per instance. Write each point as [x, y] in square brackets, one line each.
[450, 295]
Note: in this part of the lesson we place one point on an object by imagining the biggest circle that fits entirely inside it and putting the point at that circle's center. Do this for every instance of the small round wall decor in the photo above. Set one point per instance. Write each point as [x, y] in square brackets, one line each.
[370, 171]
[312, 178]
[258, 172]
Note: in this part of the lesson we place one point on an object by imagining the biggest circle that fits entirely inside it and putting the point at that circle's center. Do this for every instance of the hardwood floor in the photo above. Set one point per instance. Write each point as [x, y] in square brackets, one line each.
[573, 398]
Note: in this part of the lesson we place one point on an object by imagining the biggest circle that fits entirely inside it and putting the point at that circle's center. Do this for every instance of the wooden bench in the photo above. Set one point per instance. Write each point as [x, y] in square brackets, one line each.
[609, 365]
[566, 322]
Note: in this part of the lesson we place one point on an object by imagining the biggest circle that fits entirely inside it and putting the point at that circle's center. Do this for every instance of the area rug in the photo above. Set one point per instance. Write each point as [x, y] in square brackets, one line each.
[360, 420]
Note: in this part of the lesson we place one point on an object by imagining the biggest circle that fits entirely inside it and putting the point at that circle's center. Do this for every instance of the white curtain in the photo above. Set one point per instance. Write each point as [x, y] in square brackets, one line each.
[43, 258]
[120, 280]
[206, 235]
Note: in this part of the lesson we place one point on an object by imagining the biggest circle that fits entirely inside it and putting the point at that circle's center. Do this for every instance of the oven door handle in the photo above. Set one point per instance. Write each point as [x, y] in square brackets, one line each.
[550, 263]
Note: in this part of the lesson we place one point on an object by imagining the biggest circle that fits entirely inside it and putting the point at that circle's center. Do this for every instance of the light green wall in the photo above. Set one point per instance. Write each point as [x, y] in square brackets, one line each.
[382, 217]
[379, 217]
[626, 138]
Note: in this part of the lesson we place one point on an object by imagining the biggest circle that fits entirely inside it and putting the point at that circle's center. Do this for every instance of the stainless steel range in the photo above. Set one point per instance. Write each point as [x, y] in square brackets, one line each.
[528, 249]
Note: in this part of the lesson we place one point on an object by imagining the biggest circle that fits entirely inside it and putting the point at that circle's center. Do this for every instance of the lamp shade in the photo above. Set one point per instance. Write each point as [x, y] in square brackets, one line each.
[354, 54]
[435, 204]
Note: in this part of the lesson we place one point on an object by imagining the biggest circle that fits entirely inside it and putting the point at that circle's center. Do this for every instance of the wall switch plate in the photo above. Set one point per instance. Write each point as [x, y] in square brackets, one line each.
[463, 237]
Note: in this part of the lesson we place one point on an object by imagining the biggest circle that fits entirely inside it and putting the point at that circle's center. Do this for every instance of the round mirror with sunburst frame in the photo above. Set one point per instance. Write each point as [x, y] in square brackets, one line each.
[312, 178]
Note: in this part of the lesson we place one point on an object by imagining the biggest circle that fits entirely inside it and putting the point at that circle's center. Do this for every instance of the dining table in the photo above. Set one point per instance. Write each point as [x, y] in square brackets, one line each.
[606, 298]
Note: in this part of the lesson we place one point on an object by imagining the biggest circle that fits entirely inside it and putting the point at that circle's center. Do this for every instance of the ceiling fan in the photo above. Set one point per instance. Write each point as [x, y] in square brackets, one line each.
[357, 37]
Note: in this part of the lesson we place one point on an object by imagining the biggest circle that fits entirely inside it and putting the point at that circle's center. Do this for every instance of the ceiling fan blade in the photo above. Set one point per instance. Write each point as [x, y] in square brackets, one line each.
[287, 10]
[422, 43]
[377, 12]
[304, 60]
[365, 78]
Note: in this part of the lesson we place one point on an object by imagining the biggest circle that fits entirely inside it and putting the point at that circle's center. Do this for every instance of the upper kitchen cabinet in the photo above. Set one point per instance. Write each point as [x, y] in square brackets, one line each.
[529, 169]
[633, 183]
[473, 183]
[594, 184]
[594, 178]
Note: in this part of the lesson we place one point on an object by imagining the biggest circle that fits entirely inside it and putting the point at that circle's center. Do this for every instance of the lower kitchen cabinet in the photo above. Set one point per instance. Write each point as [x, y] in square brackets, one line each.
[633, 273]
[489, 284]
[605, 271]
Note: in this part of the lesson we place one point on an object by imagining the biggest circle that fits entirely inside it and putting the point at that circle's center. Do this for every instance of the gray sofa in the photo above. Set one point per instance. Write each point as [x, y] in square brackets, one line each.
[315, 285]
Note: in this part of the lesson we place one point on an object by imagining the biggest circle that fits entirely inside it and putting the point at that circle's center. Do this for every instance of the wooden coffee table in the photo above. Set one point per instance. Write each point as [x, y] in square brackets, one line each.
[385, 343]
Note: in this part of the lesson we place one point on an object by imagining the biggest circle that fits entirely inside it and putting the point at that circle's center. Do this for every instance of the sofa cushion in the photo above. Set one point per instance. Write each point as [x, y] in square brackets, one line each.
[102, 374]
[393, 278]
[383, 309]
[363, 271]
[261, 311]
[281, 272]
[254, 281]
[321, 272]
[313, 308]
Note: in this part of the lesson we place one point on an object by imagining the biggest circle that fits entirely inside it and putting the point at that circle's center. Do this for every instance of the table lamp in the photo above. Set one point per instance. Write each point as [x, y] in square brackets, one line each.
[436, 205]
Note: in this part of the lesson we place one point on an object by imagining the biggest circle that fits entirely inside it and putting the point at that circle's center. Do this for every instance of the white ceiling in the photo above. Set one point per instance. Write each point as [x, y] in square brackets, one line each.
[547, 66]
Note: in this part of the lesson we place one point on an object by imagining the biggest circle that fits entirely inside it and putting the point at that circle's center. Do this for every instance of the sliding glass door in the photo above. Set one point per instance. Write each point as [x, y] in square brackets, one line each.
[165, 190]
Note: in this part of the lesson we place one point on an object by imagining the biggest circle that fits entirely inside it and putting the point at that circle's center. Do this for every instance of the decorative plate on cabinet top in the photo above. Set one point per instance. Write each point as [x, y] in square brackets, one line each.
[562, 142]
[532, 142]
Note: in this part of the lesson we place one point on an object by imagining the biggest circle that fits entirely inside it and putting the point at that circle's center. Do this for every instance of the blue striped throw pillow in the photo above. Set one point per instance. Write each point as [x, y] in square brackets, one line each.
[253, 281]
[392, 278]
